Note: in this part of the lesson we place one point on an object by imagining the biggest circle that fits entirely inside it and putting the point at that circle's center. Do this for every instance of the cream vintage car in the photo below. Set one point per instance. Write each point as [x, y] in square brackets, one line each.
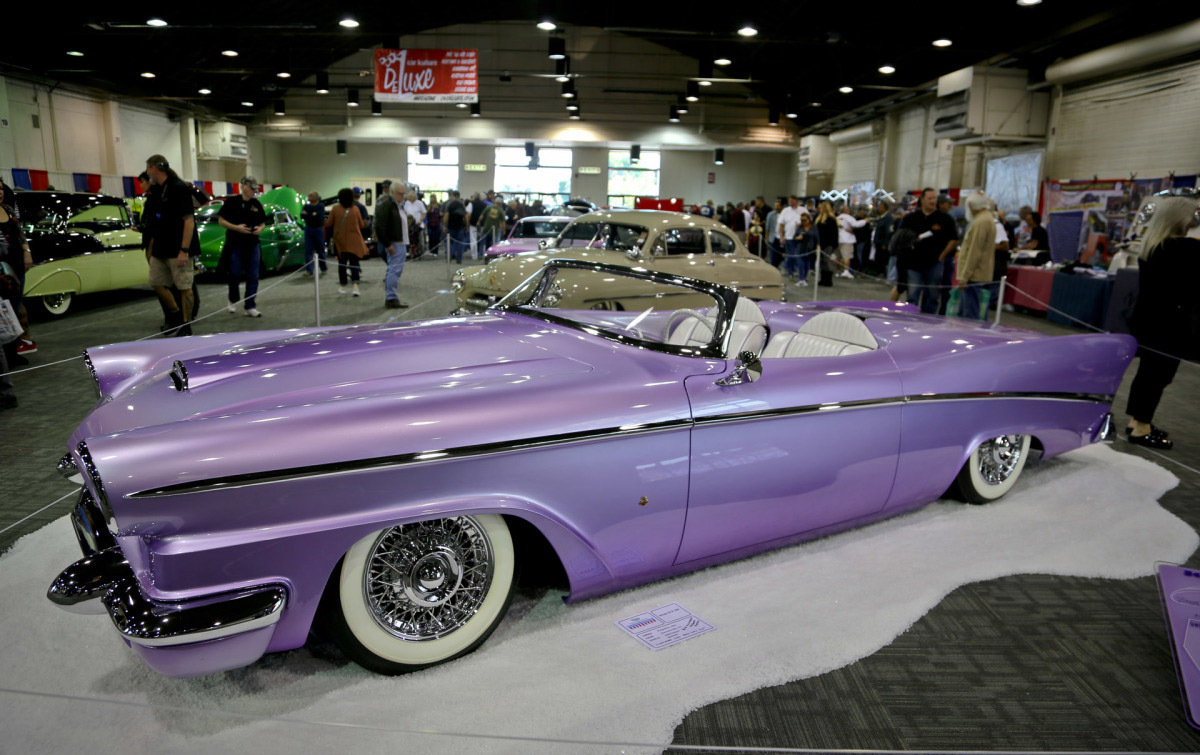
[667, 242]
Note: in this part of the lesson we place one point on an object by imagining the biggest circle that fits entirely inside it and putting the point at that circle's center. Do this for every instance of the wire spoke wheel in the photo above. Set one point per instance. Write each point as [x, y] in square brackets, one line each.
[426, 580]
[998, 458]
[992, 468]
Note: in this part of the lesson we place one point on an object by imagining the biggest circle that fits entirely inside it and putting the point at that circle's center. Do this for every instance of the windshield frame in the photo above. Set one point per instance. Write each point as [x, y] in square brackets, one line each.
[725, 297]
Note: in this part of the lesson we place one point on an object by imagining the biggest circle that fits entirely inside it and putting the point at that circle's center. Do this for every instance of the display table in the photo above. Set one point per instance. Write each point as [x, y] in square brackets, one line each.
[1034, 281]
[1083, 297]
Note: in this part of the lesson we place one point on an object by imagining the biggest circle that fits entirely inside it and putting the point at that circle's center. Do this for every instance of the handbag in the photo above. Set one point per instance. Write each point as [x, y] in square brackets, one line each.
[10, 324]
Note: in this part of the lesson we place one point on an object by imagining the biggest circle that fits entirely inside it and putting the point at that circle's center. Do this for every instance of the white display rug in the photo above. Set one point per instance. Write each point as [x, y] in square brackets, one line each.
[566, 673]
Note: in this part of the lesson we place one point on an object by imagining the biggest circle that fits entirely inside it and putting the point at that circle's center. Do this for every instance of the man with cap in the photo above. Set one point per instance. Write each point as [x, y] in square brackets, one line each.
[391, 228]
[173, 243]
[243, 219]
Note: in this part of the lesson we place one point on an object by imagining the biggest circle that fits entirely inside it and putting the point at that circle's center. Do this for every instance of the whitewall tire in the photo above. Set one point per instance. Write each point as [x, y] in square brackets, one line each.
[56, 304]
[993, 468]
[419, 594]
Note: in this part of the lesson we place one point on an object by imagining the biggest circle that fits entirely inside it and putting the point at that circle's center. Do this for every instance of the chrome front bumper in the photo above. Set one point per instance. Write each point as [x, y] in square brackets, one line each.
[103, 582]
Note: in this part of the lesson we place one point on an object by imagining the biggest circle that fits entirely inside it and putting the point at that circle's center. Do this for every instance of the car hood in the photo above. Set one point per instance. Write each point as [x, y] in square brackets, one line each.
[372, 362]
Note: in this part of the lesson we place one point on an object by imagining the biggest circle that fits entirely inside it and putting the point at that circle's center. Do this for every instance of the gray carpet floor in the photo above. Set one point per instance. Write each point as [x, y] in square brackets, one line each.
[1023, 663]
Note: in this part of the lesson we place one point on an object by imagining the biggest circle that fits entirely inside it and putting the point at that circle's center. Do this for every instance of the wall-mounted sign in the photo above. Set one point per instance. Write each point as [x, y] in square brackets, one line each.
[426, 76]
[712, 178]
[586, 171]
[475, 167]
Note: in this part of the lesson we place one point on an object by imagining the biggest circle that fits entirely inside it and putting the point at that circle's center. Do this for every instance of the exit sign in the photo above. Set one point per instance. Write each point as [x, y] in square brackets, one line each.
[586, 171]
[475, 167]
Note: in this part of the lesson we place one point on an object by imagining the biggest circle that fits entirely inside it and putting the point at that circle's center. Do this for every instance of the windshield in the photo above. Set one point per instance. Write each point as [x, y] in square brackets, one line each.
[88, 213]
[536, 229]
[600, 234]
[628, 305]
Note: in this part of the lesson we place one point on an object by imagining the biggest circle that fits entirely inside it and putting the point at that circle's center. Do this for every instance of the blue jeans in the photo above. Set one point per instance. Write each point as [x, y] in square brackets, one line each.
[244, 262]
[460, 240]
[793, 263]
[923, 287]
[395, 266]
[314, 245]
[968, 305]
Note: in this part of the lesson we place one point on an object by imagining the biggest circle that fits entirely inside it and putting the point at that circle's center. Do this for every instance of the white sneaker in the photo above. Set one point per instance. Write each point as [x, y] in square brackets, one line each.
[845, 274]
[252, 312]
[801, 283]
[341, 289]
[231, 308]
[355, 291]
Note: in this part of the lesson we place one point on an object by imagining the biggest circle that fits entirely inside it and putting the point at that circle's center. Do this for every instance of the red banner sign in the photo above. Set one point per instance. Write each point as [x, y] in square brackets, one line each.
[426, 76]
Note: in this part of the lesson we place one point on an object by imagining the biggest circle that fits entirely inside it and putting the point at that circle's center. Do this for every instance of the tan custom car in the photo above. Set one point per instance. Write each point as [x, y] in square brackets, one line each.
[668, 242]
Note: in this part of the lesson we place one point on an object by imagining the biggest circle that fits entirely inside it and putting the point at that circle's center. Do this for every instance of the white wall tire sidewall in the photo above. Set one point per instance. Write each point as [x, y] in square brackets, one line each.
[985, 489]
[391, 648]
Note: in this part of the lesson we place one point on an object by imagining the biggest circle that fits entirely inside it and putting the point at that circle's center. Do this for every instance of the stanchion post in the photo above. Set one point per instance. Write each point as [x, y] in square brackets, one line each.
[1000, 297]
[816, 272]
[316, 263]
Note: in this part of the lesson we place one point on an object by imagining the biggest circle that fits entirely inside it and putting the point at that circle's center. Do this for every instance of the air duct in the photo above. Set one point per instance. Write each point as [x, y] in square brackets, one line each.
[1134, 53]
[855, 134]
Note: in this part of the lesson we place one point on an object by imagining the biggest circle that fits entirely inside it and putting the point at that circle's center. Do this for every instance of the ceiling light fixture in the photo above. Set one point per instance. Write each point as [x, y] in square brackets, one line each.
[205, 91]
[674, 114]
[635, 153]
[682, 105]
[476, 111]
[705, 83]
[562, 70]
[147, 75]
[792, 114]
[461, 105]
[348, 23]
[886, 69]
[572, 105]
[568, 89]
[322, 82]
[279, 109]
[722, 61]
[284, 75]
[75, 53]
[547, 25]
[693, 92]
[247, 104]
[558, 48]
[1027, 3]
[156, 22]
[773, 117]
[814, 104]
[942, 43]
[846, 90]
[229, 53]
[748, 31]
[376, 107]
[719, 156]
[352, 98]
[575, 115]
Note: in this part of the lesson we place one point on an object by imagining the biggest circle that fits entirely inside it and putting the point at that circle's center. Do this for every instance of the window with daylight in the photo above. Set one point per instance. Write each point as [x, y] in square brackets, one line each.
[549, 179]
[628, 180]
[433, 174]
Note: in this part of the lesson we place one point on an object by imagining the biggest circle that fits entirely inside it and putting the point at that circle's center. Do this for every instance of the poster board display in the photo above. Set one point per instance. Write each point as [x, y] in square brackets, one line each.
[426, 76]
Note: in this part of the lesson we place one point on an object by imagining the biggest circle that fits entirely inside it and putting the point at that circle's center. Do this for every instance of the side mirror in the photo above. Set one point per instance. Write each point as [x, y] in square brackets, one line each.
[634, 254]
[748, 369]
[543, 243]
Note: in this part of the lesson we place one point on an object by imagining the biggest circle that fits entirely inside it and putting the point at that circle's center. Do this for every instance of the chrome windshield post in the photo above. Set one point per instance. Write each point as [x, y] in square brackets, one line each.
[748, 369]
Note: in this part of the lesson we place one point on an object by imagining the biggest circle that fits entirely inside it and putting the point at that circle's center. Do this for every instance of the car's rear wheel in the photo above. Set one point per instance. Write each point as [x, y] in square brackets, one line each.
[419, 594]
[56, 304]
[992, 468]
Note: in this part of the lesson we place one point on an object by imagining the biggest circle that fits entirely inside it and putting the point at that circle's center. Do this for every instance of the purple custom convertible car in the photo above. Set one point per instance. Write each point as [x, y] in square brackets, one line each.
[527, 234]
[386, 480]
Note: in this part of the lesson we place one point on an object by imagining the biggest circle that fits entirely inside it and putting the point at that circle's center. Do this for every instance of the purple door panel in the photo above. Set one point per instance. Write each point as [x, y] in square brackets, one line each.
[799, 461]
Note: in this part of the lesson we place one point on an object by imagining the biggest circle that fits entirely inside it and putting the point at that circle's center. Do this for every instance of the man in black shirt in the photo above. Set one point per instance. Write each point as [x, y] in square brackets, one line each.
[454, 219]
[937, 238]
[243, 219]
[1039, 239]
[170, 221]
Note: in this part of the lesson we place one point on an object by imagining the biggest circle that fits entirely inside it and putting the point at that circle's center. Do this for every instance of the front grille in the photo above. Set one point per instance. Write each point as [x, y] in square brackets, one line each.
[480, 302]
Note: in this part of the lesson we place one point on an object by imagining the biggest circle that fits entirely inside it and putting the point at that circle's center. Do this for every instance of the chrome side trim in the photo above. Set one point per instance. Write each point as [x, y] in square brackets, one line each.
[150, 624]
[66, 468]
[87, 361]
[383, 462]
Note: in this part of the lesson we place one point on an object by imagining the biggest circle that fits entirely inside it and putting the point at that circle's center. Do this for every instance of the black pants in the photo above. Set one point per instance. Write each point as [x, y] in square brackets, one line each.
[1155, 372]
[348, 268]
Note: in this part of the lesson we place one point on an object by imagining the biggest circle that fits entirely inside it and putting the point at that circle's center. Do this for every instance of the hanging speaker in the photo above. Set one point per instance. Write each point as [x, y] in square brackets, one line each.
[423, 146]
[341, 146]
[437, 152]
[635, 153]
[529, 149]
[719, 156]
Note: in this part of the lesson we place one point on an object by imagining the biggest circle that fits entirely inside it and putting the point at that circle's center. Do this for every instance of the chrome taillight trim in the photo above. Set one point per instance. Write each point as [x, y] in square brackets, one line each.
[87, 360]
[89, 471]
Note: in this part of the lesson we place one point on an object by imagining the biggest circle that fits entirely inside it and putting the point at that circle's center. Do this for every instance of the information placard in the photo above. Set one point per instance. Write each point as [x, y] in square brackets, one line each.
[426, 76]
[664, 626]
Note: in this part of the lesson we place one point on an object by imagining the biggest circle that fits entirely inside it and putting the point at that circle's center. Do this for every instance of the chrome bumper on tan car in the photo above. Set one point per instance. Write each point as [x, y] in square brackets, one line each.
[103, 582]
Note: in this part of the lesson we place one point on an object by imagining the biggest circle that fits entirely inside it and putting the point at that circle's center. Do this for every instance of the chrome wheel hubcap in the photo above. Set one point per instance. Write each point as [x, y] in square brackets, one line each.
[427, 579]
[998, 458]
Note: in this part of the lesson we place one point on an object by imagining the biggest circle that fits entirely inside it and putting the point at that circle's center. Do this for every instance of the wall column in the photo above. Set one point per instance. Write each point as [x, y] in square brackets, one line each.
[188, 166]
[110, 124]
[8, 150]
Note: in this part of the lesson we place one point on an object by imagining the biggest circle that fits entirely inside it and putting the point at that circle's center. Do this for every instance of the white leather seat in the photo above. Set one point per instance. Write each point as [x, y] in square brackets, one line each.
[749, 329]
[828, 334]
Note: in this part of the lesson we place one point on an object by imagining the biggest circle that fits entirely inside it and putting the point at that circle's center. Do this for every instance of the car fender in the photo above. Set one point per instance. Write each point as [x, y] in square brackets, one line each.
[59, 280]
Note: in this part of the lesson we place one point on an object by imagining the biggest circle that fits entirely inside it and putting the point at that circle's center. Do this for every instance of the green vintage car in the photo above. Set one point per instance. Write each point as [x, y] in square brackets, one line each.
[81, 243]
[282, 241]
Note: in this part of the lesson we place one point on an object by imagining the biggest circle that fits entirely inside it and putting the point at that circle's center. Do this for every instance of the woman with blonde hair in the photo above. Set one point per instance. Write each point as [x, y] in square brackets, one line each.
[827, 234]
[1166, 318]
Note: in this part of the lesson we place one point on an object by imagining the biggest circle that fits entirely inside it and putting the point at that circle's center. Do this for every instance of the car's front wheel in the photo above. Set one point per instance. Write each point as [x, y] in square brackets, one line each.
[424, 593]
[992, 468]
[56, 304]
